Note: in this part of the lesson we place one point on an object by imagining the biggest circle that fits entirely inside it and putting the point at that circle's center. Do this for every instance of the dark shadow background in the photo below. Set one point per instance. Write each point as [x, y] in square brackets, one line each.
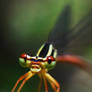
[24, 27]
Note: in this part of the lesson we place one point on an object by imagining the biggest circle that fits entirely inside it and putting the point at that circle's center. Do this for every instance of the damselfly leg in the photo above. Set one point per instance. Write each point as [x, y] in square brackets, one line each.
[54, 82]
[26, 76]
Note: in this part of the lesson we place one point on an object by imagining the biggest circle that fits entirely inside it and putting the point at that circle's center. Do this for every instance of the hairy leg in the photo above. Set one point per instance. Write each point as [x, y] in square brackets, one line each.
[21, 78]
[53, 86]
[45, 82]
[40, 84]
[27, 78]
[53, 82]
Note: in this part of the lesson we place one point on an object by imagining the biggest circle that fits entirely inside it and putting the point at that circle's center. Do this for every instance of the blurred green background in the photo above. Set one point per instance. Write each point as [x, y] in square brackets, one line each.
[25, 25]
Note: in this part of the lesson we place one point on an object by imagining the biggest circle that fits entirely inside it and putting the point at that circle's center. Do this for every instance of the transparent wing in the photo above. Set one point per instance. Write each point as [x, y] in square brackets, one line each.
[76, 40]
[58, 36]
[81, 37]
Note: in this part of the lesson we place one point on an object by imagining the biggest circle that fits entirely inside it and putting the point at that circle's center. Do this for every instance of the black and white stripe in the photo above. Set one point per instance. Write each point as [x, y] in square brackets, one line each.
[47, 50]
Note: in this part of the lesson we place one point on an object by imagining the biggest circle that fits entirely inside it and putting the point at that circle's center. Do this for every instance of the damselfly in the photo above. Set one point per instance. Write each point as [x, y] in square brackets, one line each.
[52, 52]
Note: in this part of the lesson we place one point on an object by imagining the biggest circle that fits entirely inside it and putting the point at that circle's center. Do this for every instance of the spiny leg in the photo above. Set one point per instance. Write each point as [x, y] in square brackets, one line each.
[51, 79]
[21, 78]
[53, 86]
[45, 82]
[27, 78]
[40, 84]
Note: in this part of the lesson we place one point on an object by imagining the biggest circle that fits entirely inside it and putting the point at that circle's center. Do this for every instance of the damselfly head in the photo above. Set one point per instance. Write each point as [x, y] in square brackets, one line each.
[46, 56]
[44, 59]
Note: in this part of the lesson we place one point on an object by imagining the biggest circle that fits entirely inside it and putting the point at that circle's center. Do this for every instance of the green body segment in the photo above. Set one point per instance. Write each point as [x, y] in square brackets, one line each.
[51, 66]
[24, 63]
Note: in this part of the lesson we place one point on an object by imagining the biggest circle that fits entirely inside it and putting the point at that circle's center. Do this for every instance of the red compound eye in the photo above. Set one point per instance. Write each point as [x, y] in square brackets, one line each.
[24, 55]
[50, 59]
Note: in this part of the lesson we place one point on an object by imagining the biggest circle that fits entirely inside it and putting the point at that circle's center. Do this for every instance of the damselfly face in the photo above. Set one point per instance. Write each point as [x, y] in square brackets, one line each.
[44, 59]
